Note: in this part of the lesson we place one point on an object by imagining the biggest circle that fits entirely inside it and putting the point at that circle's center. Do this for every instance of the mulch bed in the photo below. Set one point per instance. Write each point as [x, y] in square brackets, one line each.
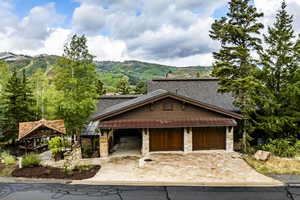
[57, 173]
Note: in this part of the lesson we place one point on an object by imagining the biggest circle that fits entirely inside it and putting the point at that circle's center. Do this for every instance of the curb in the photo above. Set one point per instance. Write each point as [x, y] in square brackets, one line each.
[203, 184]
[33, 180]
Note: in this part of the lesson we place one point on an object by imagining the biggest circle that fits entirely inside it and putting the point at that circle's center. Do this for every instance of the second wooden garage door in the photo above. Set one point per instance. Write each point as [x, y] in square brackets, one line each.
[212, 138]
[166, 139]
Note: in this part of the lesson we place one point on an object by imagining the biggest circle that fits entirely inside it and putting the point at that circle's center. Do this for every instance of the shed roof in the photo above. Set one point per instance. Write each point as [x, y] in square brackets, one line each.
[204, 90]
[25, 128]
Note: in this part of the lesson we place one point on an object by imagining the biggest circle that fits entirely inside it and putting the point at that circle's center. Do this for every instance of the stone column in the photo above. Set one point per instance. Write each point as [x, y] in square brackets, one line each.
[145, 141]
[229, 138]
[103, 144]
[188, 140]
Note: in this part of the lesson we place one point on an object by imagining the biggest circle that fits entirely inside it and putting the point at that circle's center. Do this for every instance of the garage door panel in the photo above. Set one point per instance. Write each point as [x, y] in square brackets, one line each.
[166, 139]
[212, 138]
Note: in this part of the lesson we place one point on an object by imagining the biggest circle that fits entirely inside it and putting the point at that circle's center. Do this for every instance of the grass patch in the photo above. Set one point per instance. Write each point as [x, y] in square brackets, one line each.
[6, 170]
[275, 165]
[7, 158]
[31, 160]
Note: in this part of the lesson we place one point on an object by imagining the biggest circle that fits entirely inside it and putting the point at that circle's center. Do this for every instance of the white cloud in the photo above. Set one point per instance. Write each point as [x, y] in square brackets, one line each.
[105, 48]
[173, 32]
[88, 19]
[30, 32]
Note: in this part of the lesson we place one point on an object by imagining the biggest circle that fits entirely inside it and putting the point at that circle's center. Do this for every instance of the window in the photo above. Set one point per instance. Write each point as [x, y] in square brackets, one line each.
[168, 107]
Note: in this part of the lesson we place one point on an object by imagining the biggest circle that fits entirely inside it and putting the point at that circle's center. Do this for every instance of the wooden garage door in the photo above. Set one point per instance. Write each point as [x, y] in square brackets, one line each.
[166, 139]
[209, 138]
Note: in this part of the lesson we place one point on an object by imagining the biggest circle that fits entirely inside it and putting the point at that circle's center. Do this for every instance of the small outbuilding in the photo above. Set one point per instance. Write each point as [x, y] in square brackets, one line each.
[35, 135]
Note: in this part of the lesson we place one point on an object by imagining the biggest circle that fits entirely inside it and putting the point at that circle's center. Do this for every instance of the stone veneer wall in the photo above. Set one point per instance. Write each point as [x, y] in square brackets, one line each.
[229, 139]
[103, 144]
[145, 142]
[188, 140]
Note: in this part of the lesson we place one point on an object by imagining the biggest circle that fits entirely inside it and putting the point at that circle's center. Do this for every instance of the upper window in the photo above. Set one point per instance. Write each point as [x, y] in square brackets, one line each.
[167, 106]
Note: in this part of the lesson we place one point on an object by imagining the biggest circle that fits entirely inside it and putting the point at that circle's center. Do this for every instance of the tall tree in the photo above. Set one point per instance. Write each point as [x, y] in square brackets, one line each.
[5, 74]
[18, 101]
[276, 114]
[238, 34]
[75, 79]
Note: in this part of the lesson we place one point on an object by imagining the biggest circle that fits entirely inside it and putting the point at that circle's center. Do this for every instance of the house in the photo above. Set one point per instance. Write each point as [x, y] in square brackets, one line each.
[35, 135]
[176, 115]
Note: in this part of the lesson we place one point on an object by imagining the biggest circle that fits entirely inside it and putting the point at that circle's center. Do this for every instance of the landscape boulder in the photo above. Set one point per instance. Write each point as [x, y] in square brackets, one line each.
[262, 155]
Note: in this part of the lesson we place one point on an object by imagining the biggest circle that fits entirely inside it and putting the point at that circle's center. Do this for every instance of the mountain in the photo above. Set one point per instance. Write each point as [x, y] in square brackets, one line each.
[108, 71]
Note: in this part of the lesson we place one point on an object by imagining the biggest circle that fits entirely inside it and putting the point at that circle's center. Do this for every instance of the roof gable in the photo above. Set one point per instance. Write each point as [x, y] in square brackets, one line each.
[156, 96]
[25, 128]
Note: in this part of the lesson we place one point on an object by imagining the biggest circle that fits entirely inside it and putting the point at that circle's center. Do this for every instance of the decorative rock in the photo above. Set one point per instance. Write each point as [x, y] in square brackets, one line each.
[262, 155]
[141, 163]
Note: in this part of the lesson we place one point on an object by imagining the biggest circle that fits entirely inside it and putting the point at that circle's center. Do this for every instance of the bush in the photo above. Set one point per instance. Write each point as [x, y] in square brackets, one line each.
[8, 158]
[282, 147]
[56, 145]
[31, 160]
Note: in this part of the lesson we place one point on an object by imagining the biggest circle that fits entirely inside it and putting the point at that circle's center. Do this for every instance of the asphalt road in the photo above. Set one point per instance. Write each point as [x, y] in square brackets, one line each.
[38, 191]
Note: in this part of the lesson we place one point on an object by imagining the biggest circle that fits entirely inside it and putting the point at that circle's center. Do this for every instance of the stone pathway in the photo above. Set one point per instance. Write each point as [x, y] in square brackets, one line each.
[219, 168]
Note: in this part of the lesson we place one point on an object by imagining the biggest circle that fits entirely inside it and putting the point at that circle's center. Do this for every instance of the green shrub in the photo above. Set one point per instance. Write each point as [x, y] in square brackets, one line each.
[83, 168]
[56, 145]
[8, 158]
[282, 147]
[31, 160]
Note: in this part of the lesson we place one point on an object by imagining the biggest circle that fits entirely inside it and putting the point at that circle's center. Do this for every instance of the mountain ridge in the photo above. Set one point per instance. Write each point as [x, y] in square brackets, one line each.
[109, 72]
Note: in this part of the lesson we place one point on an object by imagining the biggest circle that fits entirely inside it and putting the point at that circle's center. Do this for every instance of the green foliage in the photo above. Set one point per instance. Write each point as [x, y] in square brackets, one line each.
[238, 35]
[123, 86]
[141, 88]
[31, 160]
[83, 168]
[18, 101]
[277, 99]
[282, 147]
[8, 158]
[56, 145]
[75, 79]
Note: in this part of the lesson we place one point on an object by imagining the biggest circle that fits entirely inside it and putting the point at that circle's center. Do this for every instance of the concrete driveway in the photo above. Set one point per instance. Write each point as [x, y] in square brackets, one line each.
[181, 169]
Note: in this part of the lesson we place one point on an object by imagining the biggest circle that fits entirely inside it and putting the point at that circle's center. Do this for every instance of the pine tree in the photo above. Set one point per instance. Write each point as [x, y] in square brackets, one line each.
[18, 102]
[276, 110]
[238, 34]
[75, 79]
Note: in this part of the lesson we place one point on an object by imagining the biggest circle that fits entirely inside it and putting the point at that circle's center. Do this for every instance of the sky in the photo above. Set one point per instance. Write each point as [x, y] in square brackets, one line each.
[171, 32]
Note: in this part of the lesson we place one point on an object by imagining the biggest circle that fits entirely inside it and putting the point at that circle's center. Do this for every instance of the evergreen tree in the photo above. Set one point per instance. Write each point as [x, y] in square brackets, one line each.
[75, 79]
[238, 34]
[18, 103]
[275, 100]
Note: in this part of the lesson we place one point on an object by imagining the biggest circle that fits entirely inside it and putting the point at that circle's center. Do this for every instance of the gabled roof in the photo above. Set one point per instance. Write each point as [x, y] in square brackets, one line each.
[107, 101]
[155, 96]
[203, 90]
[25, 128]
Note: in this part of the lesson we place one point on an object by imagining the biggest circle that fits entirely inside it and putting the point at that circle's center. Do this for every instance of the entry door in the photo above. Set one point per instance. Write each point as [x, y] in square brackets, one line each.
[212, 138]
[166, 139]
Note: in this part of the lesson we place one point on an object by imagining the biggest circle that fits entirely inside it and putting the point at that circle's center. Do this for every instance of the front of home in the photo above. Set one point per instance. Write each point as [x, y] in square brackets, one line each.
[176, 115]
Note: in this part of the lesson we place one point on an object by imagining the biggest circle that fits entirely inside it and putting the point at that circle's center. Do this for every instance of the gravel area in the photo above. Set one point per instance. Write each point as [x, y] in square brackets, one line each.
[186, 168]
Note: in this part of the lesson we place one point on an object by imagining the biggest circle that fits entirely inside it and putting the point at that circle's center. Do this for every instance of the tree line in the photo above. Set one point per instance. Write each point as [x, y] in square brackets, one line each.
[262, 71]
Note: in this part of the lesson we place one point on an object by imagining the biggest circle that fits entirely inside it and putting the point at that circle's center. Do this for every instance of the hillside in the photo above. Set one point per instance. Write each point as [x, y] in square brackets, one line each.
[109, 71]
